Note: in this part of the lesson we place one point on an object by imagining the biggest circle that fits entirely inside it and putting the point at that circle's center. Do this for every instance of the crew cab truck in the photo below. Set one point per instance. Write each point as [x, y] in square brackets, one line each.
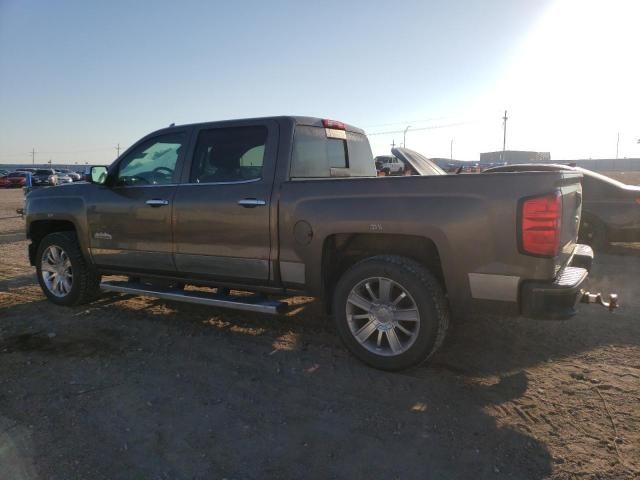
[292, 205]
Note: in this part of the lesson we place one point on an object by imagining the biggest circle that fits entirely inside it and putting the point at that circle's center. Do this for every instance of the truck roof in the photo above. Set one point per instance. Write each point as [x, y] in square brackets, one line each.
[295, 119]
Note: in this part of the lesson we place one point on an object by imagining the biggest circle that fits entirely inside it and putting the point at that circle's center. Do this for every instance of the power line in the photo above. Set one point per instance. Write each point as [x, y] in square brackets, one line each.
[432, 127]
[405, 122]
[101, 149]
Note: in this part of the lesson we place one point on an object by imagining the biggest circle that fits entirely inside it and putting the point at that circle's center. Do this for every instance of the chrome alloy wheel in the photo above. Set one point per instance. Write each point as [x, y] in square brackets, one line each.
[382, 316]
[57, 274]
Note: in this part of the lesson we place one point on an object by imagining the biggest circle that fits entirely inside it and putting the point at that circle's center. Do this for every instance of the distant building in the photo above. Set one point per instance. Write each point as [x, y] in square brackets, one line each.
[515, 156]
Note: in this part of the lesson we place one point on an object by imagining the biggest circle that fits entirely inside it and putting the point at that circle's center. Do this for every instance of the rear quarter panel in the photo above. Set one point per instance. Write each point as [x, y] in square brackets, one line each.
[470, 218]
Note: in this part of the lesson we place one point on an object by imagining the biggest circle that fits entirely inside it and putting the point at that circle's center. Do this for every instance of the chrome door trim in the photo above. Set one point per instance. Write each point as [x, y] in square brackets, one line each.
[252, 202]
[157, 202]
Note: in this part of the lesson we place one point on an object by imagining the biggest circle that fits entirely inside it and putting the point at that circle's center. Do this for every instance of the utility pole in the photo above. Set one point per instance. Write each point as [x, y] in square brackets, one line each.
[33, 156]
[118, 150]
[617, 145]
[404, 136]
[393, 143]
[451, 150]
[504, 135]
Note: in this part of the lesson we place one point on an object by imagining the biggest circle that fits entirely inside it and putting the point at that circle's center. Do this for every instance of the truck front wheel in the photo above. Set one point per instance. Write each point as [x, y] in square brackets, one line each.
[390, 312]
[64, 275]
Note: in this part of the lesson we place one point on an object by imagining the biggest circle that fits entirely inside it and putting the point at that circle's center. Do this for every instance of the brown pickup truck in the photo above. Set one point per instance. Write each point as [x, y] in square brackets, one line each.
[291, 205]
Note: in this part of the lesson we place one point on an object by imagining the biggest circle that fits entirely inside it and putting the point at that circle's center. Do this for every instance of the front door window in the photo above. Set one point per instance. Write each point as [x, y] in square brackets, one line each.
[152, 162]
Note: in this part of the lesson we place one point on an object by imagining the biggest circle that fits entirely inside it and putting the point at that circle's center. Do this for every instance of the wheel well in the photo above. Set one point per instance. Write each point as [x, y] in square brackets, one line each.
[41, 228]
[341, 251]
[593, 218]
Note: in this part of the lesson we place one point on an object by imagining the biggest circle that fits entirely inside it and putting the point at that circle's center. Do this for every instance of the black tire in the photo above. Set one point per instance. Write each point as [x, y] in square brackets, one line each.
[593, 232]
[85, 285]
[425, 293]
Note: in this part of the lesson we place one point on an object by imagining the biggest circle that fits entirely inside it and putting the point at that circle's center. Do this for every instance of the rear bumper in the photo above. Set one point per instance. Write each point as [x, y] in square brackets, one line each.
[557, 299]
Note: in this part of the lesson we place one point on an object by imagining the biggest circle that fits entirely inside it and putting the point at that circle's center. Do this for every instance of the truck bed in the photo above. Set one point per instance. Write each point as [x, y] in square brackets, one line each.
[471, 219]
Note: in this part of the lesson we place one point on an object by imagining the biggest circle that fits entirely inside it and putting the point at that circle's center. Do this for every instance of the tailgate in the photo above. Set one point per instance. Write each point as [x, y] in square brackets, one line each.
[571, 191]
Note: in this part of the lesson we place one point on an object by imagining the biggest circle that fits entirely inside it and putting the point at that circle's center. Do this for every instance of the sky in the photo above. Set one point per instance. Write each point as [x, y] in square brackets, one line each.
[78, 78]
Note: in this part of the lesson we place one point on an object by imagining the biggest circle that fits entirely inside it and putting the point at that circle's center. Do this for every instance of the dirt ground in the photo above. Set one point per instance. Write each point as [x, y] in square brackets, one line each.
[139, 388]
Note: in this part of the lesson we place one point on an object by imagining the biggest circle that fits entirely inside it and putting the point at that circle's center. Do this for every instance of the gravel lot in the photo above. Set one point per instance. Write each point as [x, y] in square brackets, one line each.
[143, 388]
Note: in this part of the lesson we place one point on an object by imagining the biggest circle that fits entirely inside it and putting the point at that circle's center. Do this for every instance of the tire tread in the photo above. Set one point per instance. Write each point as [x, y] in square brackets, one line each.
[431, 287]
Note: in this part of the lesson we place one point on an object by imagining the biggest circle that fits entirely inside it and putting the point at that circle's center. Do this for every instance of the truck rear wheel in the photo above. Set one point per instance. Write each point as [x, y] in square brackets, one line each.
[390, 312]
[64, 275]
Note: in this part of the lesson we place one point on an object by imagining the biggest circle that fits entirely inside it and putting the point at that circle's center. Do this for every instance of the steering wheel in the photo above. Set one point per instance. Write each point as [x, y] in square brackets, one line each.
[161, 169]
[132, 180]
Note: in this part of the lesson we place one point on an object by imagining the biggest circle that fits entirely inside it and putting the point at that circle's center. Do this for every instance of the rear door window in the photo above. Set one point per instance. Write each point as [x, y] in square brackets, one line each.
[233, 154]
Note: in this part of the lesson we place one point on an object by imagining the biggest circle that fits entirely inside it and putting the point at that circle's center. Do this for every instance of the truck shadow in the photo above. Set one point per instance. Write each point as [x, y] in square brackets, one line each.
[264, 396]
[208, 399]
[9, 282]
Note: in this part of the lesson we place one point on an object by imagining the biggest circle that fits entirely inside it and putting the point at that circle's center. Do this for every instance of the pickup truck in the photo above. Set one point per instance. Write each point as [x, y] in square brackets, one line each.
[280, 206]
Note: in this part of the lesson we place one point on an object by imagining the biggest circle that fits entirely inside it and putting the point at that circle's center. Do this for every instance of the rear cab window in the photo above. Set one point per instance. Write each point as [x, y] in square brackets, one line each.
[324, 153]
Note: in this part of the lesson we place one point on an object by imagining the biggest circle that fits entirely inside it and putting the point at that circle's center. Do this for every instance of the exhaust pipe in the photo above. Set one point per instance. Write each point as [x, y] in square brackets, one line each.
[611, 305]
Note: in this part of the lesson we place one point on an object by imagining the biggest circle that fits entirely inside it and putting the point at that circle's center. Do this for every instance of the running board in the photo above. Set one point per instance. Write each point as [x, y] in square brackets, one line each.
[252, 303]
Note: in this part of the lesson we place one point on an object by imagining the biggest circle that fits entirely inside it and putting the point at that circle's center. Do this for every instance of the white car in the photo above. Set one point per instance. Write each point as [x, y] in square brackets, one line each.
[63, 178]
[389, 165]
[75, 177]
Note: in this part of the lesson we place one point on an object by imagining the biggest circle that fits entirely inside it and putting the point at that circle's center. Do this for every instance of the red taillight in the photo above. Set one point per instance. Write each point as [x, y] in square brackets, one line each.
[541, 222]
[333, 124]
[638, 200]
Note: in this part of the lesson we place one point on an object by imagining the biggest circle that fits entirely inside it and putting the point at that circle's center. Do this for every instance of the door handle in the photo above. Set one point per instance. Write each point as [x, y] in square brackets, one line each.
[251, 203]
[156, 202]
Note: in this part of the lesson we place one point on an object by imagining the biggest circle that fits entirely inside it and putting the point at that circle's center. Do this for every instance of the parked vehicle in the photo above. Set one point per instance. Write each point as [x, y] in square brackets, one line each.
[85, 173]
[389, 165]
[473, 167]
[15, 180]
[291, 205]
[74, 176]
[44, 177]
[63, 178]
[610, 209]
[4, 181]
[415, 163]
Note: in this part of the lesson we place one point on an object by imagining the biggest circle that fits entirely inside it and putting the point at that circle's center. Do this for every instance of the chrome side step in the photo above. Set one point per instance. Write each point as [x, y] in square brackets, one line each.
[248, 303]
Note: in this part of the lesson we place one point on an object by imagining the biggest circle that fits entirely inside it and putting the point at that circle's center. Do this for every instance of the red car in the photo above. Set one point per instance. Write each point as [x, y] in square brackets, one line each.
[14, 180]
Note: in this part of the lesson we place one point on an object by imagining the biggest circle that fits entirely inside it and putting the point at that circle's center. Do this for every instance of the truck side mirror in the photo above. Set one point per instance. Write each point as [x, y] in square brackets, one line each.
[99, 175]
